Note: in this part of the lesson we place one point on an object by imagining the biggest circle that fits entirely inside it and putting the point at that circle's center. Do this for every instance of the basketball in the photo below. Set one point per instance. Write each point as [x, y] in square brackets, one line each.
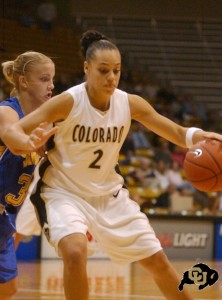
[203, 166]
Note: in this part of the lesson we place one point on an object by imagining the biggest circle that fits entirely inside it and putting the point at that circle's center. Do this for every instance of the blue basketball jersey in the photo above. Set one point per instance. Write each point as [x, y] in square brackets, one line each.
[16, 172]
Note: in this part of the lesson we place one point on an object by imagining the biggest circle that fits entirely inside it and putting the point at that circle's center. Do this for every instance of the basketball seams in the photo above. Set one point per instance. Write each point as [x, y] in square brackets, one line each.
[212, 156]
[203, 166]
[215, 176]
[205, 180]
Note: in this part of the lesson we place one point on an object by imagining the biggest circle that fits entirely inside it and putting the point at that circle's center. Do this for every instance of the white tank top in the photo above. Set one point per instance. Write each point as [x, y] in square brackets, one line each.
[87, 145]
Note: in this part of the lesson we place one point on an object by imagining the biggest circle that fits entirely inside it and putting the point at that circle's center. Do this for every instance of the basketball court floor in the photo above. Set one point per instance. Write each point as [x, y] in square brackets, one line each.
[107, 281]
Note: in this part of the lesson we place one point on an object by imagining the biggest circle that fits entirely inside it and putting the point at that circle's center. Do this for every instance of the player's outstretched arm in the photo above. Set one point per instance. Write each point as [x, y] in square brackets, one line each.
[32, 132]
[142, 112]
[19, 142]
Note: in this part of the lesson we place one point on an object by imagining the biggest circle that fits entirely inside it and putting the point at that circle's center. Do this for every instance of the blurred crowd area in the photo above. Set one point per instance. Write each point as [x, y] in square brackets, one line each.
[151, 166]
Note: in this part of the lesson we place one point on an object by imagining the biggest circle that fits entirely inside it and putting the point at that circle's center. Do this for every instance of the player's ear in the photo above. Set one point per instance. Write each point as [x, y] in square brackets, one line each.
[86, 67]
[22, 81]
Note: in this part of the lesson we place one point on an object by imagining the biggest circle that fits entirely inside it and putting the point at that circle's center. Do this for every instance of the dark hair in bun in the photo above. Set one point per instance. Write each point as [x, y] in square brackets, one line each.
[93, 40]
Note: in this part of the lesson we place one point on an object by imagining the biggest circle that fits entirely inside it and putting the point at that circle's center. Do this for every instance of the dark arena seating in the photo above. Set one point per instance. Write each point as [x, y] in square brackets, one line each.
[182, 53]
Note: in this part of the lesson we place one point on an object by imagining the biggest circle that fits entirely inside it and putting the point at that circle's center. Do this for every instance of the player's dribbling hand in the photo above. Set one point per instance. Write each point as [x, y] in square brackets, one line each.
[201, 135]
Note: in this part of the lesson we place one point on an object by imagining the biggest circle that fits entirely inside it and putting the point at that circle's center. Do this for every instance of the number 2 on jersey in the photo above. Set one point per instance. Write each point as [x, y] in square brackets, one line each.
[94, 164]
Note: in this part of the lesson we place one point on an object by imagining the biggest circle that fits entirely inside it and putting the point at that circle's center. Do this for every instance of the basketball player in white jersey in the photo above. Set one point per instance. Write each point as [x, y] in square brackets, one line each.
[80, 186]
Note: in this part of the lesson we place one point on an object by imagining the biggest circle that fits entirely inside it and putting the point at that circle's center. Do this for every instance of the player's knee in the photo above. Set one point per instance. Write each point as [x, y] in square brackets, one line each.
[75, 255]
[75, 259]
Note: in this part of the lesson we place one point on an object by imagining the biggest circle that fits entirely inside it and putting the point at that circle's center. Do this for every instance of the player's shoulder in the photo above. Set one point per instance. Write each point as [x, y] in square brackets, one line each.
[120, 97]
[13, 101]
[77, 89]
[11, 106]
[120, 92]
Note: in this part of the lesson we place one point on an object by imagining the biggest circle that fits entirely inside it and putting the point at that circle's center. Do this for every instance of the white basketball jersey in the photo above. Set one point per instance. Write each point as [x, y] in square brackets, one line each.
[87, 144]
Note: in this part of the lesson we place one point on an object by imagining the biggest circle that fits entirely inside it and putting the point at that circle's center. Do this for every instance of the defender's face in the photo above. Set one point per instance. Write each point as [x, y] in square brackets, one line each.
[40, 82]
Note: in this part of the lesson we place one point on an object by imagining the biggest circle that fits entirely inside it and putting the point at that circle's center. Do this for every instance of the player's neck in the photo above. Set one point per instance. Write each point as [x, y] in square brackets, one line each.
[98, 101]
[26, 104]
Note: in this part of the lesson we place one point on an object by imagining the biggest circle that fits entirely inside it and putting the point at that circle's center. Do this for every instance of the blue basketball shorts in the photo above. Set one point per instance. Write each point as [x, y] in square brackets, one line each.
[8, 264]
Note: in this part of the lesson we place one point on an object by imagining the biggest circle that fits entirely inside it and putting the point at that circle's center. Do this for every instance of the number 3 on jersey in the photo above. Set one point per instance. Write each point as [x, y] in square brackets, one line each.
[16, 200]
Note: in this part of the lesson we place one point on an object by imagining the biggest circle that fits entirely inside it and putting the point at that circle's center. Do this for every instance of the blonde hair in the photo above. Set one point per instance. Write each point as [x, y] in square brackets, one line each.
[23, 64]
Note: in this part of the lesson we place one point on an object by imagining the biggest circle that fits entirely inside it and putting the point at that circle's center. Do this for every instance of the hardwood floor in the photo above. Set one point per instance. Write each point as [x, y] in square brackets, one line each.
[107, 281]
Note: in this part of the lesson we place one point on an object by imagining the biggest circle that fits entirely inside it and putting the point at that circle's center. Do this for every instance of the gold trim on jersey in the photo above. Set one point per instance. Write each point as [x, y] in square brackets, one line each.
[2, 149]
[30, 159]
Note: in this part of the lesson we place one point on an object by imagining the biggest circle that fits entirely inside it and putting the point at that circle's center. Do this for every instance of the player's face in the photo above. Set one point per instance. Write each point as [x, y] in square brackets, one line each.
[39, 82]
[103, 72]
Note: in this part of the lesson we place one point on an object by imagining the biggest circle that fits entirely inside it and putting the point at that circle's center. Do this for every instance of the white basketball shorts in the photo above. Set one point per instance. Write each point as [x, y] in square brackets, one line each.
[116, 223]
[26, 220]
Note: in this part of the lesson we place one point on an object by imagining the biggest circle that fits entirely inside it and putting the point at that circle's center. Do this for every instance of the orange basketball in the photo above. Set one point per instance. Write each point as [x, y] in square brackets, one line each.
[203, 166]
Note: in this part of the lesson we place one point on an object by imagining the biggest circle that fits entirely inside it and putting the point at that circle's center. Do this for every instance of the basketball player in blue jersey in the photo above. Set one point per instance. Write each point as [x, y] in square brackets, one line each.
[79, 185]
[31, 75]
